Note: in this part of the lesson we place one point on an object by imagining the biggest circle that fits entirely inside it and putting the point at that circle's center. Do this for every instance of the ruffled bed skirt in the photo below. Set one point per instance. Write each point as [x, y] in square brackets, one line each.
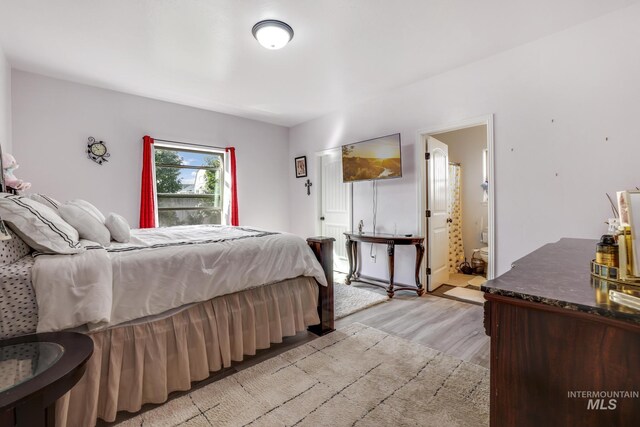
[134, 365]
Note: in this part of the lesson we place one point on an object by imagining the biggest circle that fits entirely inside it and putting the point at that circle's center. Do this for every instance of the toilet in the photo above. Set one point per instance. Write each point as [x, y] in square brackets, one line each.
[483, 252]
[480, 261]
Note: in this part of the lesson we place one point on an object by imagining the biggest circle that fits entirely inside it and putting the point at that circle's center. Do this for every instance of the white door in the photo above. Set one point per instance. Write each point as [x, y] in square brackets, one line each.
[335, 206]
[437, 205]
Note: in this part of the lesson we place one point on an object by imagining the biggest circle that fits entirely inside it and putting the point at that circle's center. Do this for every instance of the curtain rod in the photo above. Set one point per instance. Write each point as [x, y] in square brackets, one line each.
[188, 143]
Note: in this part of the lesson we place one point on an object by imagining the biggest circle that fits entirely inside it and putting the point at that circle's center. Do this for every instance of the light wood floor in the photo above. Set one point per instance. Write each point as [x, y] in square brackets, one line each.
[453, 327]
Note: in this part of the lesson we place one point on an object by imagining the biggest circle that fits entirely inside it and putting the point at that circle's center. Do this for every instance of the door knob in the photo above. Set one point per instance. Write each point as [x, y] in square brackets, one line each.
[449, 220]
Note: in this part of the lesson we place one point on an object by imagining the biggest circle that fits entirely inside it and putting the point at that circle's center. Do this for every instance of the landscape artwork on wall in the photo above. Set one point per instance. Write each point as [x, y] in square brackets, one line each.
[377, 158]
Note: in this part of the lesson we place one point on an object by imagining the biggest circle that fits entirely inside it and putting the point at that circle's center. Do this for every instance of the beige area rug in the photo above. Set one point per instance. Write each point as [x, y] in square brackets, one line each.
[356, 376]
[349, 299]
[477, 281]
[458, 279]
[467, 294]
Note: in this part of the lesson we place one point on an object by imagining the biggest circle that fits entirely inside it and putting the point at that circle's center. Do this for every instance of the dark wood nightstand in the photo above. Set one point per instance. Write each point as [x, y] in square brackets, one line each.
[35, 371]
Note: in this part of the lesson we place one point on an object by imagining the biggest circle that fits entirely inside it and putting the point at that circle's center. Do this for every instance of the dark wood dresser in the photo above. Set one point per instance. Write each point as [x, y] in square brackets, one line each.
[562, 352]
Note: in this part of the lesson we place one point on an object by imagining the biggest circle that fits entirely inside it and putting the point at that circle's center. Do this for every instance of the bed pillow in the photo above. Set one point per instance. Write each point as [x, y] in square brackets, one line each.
[118, 227]
[89, 227]
[88, 207]
[13, 249]
[49, 202]
[39, 226]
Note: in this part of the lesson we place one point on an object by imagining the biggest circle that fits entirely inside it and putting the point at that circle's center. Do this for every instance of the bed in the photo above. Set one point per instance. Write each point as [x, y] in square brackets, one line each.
[167, 308]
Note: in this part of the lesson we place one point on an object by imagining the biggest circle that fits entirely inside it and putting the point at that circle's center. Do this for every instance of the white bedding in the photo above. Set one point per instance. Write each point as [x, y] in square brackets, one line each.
[73, 290]
[161, 269]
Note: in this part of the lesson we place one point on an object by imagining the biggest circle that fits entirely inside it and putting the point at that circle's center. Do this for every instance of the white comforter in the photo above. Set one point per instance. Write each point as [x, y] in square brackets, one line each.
[161, 269]
[73, 290]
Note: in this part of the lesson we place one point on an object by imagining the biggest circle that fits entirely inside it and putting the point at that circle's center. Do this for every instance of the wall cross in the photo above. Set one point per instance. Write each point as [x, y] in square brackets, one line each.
[308, 184]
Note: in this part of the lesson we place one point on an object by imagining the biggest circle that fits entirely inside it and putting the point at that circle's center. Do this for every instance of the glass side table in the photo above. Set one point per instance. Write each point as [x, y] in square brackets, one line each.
[36, 370]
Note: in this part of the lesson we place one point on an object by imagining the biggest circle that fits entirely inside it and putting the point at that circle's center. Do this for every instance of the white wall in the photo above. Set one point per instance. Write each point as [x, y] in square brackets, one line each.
[466, 147]
[52, 120]
[555, 101]
[5, 103]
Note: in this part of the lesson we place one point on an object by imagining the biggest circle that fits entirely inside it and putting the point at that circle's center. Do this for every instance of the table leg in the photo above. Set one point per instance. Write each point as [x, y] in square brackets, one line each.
[391, 254]
[50, 415]
[419, 256]
[349, 245]
[356, 264]
[31, 413]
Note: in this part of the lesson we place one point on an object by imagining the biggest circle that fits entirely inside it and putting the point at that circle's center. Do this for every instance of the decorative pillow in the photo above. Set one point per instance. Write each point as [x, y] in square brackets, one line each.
[89, 227]
[39, 226]
[89, 208]
[118, 227]
[17, 299]
[13, 249]
[49, 202]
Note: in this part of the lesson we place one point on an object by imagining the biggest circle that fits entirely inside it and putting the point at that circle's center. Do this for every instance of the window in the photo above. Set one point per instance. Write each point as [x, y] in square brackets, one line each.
[188, 186]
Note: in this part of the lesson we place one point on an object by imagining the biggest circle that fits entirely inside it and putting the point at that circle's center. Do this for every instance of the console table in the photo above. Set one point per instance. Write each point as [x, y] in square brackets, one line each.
[391, 240]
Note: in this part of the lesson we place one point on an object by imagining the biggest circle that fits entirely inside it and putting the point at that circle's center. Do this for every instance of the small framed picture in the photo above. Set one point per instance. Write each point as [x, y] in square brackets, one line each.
[301, 166]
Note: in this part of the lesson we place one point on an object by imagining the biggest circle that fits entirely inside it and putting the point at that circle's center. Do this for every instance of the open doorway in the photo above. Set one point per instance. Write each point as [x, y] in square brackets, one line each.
[335, 203]
[457, 198]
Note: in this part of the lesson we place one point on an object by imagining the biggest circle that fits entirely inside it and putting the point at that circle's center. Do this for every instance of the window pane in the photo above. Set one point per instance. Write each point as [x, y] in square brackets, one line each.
[189, 202]
[188, 181]
[164, 156]
[168, 218]
[188, 186]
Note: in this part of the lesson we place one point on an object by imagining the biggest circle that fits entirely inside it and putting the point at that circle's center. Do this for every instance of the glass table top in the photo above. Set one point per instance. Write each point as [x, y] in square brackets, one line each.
[22, 362]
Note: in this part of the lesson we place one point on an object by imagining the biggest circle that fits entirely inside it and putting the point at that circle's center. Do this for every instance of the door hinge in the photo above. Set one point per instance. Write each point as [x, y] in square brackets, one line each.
[428, 270]
[428, 214]
[427, 156]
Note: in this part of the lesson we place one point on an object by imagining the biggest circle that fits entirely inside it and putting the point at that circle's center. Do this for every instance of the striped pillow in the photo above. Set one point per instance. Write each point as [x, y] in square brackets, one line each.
[89, 227]
[49, 202]
[88, 207]
[38, 225]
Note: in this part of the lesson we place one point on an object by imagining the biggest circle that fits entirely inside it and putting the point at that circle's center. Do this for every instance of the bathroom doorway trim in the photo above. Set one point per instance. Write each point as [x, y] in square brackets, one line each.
[421, 162]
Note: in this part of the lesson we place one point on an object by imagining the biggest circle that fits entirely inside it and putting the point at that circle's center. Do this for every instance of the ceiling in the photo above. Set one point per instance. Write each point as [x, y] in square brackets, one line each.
[201, 52]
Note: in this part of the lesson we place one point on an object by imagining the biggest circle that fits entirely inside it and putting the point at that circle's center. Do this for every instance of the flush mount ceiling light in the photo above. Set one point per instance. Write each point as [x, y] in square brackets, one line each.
[272, 34]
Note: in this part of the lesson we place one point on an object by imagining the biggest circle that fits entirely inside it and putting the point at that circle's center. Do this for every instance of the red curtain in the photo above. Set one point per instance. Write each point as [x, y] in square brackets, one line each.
[234, 186]
[147, 198]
